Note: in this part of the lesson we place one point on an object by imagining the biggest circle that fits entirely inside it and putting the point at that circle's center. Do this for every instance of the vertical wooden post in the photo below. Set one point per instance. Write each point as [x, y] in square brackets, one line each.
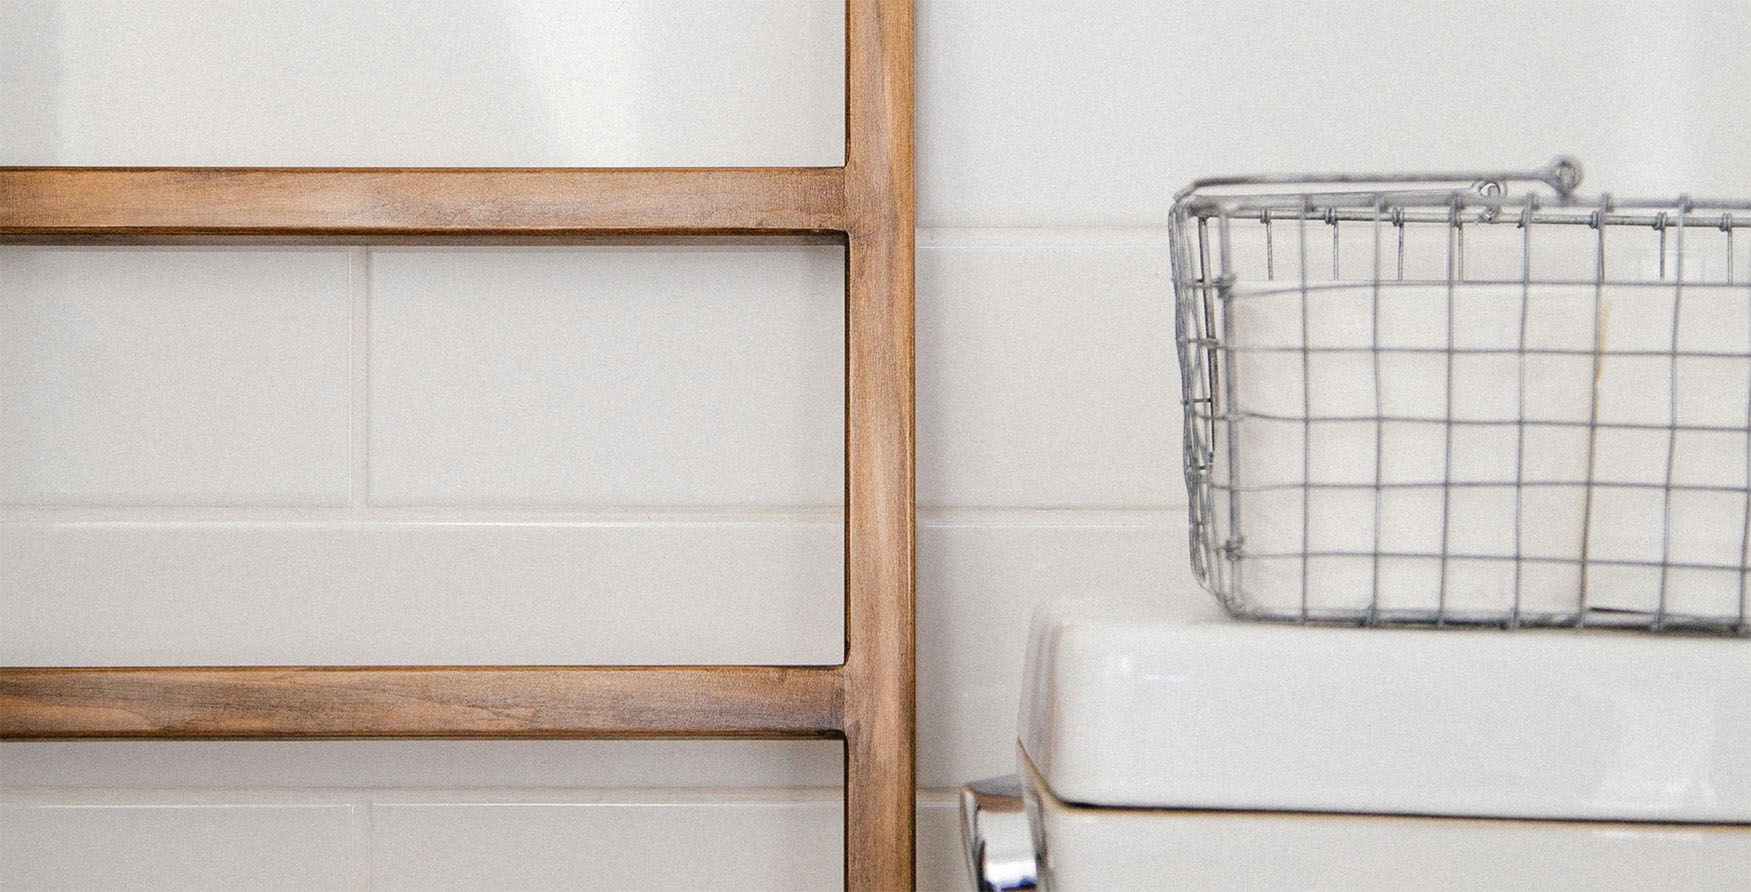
[880, 517]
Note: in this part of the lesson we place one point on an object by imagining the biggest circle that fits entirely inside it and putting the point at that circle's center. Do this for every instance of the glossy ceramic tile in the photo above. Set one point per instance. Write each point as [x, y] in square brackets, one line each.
[678, 841]
[526, 495]
[118, 841]
[608, 376]
[978, 582]
[576, 838]
[654, 824]
[448, 764]
[410, 83]
[1046, 374]
[941, 863]
[165, 376]
[421, 593]
[1046, 113]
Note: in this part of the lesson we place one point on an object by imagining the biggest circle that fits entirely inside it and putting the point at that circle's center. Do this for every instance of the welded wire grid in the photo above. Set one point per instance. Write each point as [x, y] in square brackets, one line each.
[1466, 400]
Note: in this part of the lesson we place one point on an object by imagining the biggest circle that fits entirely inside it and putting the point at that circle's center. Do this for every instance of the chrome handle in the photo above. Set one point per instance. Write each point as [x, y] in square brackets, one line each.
[999, 844]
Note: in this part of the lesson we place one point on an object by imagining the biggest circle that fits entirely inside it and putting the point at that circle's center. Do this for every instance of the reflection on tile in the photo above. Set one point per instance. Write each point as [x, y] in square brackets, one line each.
[450, 764]
[1046, 376]
[941, 862]
[686, 841]
[608, 376]
[508, 83]
[1039, 113]
[978, 584]
[438, 593]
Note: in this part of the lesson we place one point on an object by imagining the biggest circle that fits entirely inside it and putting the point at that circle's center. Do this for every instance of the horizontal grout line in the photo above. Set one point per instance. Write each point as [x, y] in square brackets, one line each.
[1080, 515]
[940, 516]
[483, 515]
[939, 795]
[925, 237]
[612, 796]
[174, 797]
[284, 797]
[198, 797]
[1041, 236]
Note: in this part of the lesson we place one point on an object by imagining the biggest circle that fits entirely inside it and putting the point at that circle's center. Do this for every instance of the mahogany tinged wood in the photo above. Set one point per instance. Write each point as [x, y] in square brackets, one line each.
[396, 701]
[869, 701]
[41, 204]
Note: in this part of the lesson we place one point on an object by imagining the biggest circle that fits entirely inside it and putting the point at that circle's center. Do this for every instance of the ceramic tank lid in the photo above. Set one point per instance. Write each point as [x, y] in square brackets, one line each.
[1136, 703]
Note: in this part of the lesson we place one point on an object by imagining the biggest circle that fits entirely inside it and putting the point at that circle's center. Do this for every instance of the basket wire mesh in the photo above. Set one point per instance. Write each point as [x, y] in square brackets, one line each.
[1466, 400]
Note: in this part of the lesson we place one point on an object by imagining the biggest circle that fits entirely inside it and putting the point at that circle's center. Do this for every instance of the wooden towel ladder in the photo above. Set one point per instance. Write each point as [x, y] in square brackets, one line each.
[867, 701]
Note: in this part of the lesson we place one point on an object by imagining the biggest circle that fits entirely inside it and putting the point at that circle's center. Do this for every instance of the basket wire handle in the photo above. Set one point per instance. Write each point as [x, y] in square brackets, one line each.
[1562, 175]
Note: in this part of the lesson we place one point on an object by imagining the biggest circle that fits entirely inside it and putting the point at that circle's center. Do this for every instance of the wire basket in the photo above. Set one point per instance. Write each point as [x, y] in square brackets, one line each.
[1466, 400]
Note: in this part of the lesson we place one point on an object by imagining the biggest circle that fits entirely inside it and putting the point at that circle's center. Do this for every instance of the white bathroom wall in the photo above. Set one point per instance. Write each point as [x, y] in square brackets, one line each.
[631, 455]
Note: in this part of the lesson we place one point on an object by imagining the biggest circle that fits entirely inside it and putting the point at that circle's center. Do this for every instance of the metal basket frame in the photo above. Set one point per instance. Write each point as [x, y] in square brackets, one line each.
[1209, 279]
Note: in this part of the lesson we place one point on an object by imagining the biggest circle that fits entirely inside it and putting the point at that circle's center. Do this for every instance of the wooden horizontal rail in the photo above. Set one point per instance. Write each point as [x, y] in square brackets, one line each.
[40, 204]
[395, 701]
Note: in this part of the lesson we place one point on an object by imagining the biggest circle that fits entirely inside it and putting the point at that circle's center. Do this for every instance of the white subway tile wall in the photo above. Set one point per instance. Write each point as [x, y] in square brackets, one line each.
[1050, 403]
[423, 764]
[415, 83]
[524, 590]
[78, 840]
[607, 377]
[174, 376]
[1046, 113]
[393, 455]
[778, 840]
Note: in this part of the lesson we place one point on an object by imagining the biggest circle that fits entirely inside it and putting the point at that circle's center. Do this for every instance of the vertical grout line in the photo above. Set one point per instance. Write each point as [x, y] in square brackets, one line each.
[359, 424]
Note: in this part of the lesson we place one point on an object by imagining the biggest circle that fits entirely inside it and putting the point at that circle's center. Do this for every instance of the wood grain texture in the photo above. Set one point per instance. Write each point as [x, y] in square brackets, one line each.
[39, 204]
[869, 701]
[393, 701]
[880, 709]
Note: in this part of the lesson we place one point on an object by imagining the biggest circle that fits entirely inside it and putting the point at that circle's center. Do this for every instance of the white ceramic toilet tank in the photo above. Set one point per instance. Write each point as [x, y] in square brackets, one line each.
[1167, 750]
